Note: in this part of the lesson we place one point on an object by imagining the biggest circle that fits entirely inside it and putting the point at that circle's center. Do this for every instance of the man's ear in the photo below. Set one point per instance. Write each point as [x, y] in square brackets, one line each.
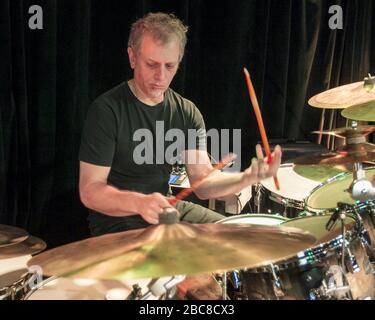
[131, 55]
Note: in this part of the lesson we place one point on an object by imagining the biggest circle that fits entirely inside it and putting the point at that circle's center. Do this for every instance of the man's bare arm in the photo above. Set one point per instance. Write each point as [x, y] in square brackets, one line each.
[218, 184]
[96, 194]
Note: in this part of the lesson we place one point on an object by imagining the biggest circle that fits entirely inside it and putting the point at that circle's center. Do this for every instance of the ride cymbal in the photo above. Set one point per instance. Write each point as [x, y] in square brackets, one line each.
[343, 97]
[173, 249]
[10, 235]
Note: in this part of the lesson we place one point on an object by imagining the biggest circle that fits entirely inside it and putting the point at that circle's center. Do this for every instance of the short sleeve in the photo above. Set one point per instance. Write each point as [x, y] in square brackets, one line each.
[196, 133]
[98, 140]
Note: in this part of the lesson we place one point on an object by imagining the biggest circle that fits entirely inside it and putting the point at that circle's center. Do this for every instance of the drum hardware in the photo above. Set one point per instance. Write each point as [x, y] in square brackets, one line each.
[332, 287]
[258, 197]
[278, 284]
[162, 287]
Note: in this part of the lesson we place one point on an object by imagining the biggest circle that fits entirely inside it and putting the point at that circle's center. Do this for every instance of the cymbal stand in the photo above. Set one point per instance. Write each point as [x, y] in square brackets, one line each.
[337, 287]
[258, 197]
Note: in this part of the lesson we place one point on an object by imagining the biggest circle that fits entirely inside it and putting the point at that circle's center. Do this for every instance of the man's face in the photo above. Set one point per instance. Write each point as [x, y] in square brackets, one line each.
[154, 66]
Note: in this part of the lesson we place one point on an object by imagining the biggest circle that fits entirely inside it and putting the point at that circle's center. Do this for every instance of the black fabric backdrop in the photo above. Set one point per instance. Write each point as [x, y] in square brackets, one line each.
[49, 78]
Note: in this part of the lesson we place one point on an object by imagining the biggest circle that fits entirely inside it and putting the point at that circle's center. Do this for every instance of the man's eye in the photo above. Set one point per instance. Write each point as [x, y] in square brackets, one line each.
[151, 65]
[170, 66]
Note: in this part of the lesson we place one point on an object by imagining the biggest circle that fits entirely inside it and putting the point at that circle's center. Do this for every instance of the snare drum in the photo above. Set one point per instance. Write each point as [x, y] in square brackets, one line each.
[326, 196]
[317, 272]
[289, 200]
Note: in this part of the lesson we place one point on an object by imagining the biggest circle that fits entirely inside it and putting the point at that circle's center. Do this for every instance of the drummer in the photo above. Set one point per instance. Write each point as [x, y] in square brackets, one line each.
[123, 193]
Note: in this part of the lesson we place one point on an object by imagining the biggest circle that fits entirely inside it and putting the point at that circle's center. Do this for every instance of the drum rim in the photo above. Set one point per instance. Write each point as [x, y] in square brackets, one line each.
[255, 215]
[40, 285]
[324, 183]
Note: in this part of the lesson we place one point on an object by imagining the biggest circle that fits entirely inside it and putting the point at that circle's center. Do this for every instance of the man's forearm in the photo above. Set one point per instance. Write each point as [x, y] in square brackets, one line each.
[109, 200]
[220, 184]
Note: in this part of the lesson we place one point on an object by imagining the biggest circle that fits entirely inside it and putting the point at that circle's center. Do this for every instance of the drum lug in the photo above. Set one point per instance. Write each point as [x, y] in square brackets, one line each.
[278, 284]
[351, 263]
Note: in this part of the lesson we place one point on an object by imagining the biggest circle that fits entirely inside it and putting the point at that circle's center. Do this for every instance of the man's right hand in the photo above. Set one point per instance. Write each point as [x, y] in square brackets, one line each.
[150, 206]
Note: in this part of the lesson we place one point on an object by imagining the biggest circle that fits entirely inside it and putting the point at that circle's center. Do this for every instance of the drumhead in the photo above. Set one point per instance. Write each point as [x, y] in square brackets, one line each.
[316, 225]
[292, 185]
[327, 195]
[255, 218]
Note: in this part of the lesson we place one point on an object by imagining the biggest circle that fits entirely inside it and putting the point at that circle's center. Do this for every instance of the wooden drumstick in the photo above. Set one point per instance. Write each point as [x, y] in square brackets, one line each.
[184, 193]
[262, 130]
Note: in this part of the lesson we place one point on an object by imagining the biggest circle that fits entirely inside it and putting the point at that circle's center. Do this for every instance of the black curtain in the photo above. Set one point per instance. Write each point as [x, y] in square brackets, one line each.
[49, 77]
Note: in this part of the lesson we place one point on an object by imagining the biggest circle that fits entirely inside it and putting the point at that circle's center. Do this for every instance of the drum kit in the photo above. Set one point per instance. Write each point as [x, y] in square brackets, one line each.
[16, 249]
[312, 239]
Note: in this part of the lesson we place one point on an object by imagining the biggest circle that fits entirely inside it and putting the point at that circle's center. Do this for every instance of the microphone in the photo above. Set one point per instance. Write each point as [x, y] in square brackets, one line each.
[341, 208]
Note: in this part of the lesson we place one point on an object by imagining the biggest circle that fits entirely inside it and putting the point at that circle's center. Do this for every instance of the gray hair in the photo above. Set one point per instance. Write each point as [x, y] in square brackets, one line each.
[162, 27]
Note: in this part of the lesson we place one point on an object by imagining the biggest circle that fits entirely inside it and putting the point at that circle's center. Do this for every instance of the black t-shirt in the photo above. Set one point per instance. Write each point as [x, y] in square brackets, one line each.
[118, 131]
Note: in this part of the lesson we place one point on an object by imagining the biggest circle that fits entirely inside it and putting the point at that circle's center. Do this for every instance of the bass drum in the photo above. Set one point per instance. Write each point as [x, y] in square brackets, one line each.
[289, 200]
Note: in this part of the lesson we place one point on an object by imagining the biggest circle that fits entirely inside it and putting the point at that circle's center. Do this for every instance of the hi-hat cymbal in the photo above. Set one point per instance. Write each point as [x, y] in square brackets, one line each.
[343, 97]
[31, 246]
[360, 152]
[349, 131]
[10, 235]
[360, 112]
[173, 249]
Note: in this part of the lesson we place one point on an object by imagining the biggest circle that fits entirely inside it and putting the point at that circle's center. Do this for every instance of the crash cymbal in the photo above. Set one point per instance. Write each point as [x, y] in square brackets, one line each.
[349, 131]
[343, 97]
[10, 235]
[30, 246]
[173, 249]
[360, 112]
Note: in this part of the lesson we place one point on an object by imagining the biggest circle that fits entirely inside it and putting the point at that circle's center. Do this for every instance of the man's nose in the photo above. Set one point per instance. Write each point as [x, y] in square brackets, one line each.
[160, 73]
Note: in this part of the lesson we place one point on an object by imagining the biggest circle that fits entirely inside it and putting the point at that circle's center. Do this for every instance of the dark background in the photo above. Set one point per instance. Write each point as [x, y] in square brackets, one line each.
[49, 77]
